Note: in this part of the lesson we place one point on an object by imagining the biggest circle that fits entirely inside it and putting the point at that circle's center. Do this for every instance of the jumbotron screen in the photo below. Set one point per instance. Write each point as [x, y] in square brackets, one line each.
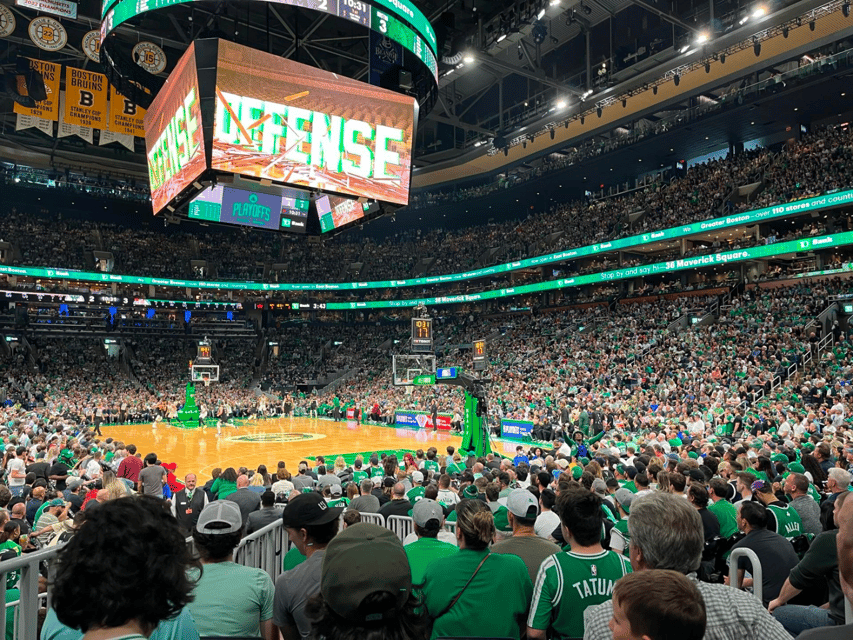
[173, 134]
[287, 211]
[335, 212]
[280, 120]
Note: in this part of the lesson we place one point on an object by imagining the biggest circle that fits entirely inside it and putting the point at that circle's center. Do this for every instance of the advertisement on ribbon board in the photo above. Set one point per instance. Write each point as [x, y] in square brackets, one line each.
[280, 120]
[125, 116]
[49, 108]
[516, 429]
[85, 98]
[173, 134]
[422, 420]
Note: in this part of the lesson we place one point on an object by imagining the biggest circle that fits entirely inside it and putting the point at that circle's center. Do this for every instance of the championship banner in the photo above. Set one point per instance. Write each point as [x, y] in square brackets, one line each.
[85, 98]
[422, 419]
[125, 117]
[28, 122]
[66, 129]
[516, 429]
[47, 109]
[110, 136]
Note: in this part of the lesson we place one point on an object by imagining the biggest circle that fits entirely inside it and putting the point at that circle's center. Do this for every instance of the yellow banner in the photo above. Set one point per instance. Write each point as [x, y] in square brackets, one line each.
[85, 98]
[125, 116]
[47, 109]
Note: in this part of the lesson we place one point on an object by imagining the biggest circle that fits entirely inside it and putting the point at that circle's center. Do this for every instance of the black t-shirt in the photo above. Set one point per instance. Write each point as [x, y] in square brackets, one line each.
[59, 469]
[39, 468]
[710, 524]
[777, 558]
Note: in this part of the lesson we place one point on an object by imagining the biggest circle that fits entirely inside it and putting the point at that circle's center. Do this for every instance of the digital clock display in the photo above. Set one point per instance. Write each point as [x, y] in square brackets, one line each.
[421, 334]
[354, 11]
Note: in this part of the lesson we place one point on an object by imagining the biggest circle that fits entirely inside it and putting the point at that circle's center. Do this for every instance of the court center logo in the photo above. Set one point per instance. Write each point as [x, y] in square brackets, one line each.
[48, 34]
[276, 437]
[7, 21]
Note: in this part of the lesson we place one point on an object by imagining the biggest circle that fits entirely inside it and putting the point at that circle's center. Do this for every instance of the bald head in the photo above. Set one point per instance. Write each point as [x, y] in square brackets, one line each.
[19, 511]
[399, 490]
[242, 481]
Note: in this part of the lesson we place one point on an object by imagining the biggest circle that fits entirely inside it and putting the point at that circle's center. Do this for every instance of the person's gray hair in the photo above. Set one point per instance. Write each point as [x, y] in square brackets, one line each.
[842, 478]
[668, 531]
[366, 486]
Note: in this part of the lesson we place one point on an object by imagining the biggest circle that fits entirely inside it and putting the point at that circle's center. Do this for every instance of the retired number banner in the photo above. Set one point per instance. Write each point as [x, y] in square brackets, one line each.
[85, 98]
[49, 108]
[125, 116]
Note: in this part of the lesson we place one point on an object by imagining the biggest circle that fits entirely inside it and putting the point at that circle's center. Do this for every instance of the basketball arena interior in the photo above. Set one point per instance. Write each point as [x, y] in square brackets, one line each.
[418, 319]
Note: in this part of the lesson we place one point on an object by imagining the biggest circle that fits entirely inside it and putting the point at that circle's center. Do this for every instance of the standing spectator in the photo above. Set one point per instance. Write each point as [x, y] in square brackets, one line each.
[16, 469]
[229, 599]
[152, 477]
[456, 587]
[130, 466]
[311, 525]
[666, 533]
[657, 605]
[187, 504]
[588, 569]
[246, 499]
[523, 508]
[547, 520]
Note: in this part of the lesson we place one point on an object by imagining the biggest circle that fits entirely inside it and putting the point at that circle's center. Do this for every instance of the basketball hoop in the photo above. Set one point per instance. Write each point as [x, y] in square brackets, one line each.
[206, 379]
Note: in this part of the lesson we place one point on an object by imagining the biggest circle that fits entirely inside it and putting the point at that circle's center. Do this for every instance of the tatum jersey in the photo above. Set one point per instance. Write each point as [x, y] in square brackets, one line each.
[568, 583]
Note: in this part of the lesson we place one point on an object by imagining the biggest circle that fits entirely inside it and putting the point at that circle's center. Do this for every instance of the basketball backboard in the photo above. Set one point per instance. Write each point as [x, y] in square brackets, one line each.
[407, 367]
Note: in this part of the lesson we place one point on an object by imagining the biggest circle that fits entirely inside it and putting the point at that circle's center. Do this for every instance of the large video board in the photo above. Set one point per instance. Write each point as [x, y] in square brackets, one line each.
[253, 208]
[280, 120]
[173, 134]
[335, 212]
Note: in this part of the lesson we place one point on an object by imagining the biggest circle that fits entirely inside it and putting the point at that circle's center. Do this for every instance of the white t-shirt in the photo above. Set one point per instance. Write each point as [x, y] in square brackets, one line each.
[16, 463]
[447, 496]
[93, 469]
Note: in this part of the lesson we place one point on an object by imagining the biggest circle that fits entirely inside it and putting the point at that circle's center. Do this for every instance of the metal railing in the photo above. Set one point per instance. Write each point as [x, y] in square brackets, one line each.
[26, 609]
[757, 575]
[264, 549]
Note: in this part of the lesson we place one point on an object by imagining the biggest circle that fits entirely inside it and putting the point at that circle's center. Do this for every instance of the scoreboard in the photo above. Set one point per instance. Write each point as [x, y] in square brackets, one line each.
[422, 335]
[481, 360]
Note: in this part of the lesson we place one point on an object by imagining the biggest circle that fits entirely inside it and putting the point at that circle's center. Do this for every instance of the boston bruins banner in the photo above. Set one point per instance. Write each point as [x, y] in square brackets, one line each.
[85, 98]
[125, 117]
[46, 109]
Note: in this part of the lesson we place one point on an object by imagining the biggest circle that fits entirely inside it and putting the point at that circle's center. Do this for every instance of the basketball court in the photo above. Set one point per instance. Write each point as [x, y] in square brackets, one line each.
[266, 441]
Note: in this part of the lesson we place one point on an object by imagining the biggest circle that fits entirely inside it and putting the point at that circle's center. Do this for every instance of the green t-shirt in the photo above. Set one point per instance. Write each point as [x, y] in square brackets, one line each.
[376, 472]
[726, 514]
[432, 465]
[415, 494]
[567, 584]
[292, 558]
[423, 552]
[444, 579]
[12, 577]
[338, 502]
[358, 476]
[231, 600]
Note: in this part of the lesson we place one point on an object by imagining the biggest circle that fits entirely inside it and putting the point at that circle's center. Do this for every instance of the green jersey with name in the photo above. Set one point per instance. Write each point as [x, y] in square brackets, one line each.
[788, 522]
[376, 472]
[338, 502]
[568, 583]
[415, 494]
[432, 465]
[358, 476]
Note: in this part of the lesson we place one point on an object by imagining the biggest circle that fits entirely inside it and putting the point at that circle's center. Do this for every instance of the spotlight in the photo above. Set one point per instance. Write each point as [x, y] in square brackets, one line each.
[598, 111]
[707, 67]
[502, 37]
[811, 25]
[756, 47]
[541, 14]
[561, 104]
[703, 38]
[586, 9]
[785, 32]
[759, 12]
[677, 79]
[722, 58]
[469, 58]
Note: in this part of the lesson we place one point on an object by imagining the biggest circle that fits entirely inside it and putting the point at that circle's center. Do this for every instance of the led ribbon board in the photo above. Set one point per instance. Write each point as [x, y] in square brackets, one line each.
[279, 120]
[764, 251]
[399, 20]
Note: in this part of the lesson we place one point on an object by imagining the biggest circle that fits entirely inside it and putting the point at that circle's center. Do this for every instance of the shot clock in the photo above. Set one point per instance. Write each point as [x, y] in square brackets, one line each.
[480, 358]
[422, 335]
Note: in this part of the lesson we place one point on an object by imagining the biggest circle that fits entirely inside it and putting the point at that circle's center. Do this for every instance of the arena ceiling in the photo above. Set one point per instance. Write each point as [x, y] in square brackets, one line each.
[524, 62]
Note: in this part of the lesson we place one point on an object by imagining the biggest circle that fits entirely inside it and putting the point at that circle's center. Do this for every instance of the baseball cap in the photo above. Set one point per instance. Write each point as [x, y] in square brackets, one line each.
[361, 560]
[779, 457]
[56, 502]
[562, 463]
[692, 454]
[522, 504]
[336, 490]
[762, 486]
[577, 472]
[220, 517]
[417, 476]
[599, 487]
[425, 510]
[74, 483]
[308, 509]
[624, 497]
[796, 467]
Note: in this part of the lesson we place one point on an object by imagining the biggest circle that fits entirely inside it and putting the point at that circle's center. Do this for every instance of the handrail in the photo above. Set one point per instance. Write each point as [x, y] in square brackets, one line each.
[757, 575]
[28, 564]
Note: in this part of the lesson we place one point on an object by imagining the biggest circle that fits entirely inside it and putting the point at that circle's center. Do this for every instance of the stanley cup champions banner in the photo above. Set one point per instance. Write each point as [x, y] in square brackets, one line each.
[47, 109]
[85, 98]
[125, 116]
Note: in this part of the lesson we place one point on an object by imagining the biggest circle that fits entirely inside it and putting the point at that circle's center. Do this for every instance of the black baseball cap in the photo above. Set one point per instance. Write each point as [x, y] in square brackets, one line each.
[309, 509]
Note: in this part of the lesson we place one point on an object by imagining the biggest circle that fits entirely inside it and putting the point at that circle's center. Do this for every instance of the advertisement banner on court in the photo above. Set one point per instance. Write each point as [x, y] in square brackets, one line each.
[85, 98]
[516, 429]
[422, 419]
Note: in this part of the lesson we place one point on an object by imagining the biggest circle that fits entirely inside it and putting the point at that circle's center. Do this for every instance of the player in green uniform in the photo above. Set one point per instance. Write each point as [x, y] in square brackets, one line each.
[569, 582]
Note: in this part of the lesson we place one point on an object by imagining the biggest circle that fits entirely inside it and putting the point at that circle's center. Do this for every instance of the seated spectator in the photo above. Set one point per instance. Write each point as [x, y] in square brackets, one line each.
[267, 514]
[797, 486]
[430, 540]
[229, 599]
[366, 502]
[775, 553]
[666, 533]
[399, 505]
[147, 598]
[523, 507]
[698, 497]
[456, 587]
[657, 605]
[366, 589]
